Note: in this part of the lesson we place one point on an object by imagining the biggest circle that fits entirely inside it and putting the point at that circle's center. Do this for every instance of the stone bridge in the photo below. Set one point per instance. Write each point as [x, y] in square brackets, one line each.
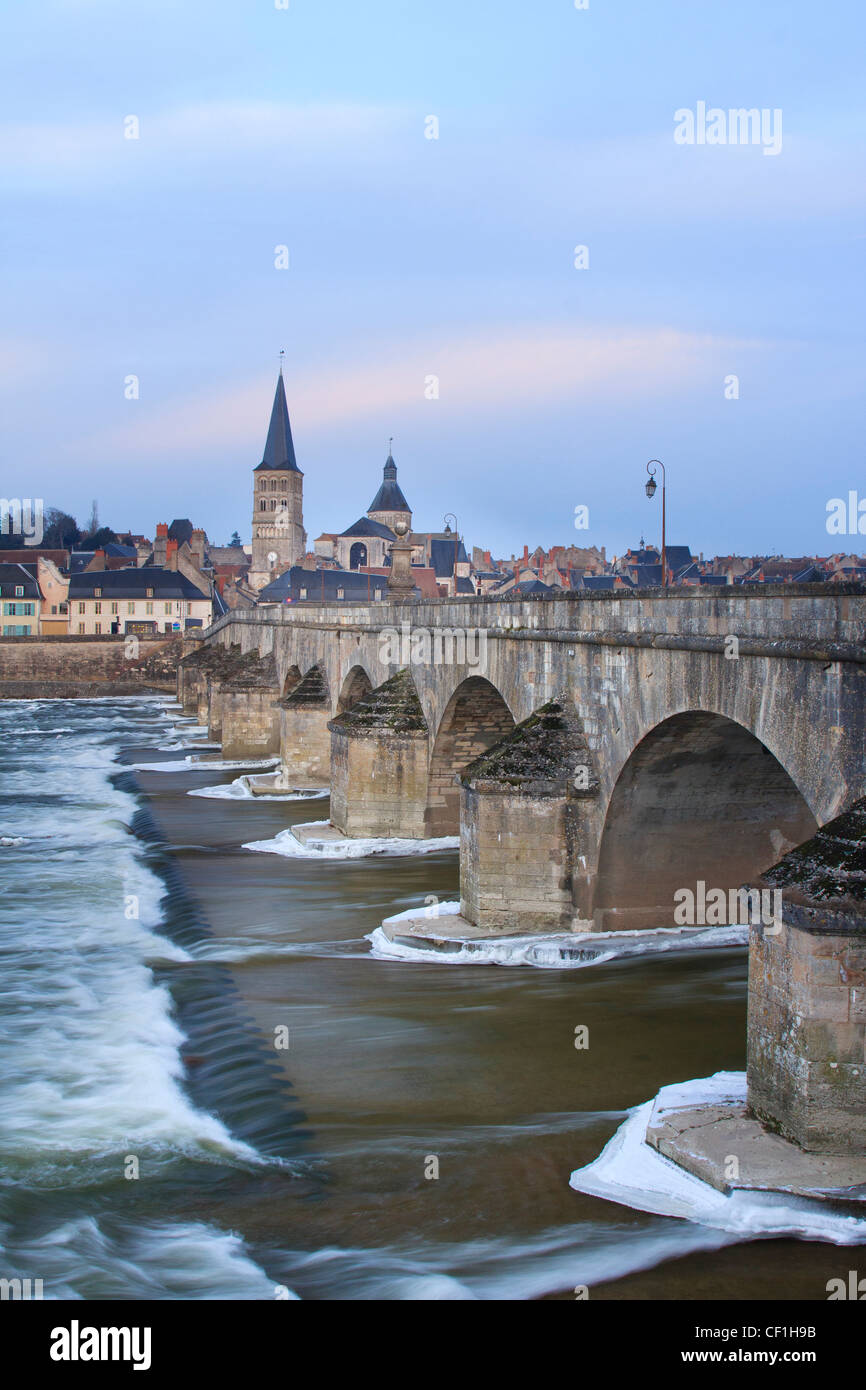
[595, 752]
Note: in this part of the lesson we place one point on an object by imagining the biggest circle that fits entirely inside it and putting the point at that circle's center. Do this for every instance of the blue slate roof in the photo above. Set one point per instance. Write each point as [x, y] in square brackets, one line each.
[677, 557]
[279, 448]
[389, 498]
[442, 557]
[324, 583]
[647, 576]
[134, 583]
[596, 581]
[365, 527]
[14, 577]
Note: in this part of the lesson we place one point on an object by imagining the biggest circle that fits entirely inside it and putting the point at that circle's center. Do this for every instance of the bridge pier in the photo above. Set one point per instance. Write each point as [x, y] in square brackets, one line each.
[807, 994]
[218, 671]
[190, 677]
[244, 707]
[379, 764]
[305, 739]
[194, 673]
[528, 809]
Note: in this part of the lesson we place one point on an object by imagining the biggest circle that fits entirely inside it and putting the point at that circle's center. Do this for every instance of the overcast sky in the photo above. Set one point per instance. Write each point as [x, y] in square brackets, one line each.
[412, 258]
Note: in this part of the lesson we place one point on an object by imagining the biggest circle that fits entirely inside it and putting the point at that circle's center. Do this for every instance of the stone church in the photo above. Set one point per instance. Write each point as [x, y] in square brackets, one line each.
[279, 538]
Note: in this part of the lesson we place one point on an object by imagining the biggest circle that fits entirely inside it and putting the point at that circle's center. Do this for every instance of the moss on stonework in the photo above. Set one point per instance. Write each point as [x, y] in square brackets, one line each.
[311, 692]
[548, 749]
[832, 865]
[208, 659]
[251, 672]
[393, 705]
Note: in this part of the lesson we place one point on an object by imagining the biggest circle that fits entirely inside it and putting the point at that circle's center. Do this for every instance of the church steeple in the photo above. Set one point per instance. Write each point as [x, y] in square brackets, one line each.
[279, 538]
[389, 500]
[279, 447]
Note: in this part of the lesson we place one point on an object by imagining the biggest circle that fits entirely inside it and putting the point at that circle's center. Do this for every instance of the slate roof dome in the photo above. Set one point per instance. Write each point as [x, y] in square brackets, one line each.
[390, 497]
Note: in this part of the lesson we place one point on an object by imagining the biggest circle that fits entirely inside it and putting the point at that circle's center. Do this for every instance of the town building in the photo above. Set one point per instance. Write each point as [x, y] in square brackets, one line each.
[141, 601]
[20, 601]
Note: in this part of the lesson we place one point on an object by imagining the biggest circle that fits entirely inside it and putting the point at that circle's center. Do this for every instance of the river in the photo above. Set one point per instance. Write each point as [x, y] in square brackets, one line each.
[210, 1089]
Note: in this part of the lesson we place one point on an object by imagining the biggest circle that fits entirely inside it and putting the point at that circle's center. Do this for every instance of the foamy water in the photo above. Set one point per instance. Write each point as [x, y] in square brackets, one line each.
[91, 1071]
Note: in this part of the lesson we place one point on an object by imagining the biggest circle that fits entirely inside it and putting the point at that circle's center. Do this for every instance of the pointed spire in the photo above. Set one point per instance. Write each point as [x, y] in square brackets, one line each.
[279, 449]
[389, 498]
[390, 469]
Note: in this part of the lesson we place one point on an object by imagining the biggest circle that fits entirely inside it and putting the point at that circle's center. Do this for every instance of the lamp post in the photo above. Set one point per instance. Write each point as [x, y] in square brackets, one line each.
[651, 486]
[452, 517]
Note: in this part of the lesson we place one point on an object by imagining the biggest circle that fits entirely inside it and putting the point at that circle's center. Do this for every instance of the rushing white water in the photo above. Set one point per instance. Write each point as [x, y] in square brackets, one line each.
[90, 1054]
[85, 1258]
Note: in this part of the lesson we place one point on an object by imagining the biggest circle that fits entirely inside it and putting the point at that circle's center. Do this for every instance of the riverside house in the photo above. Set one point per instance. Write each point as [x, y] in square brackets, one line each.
[141, 601]
[20, 600]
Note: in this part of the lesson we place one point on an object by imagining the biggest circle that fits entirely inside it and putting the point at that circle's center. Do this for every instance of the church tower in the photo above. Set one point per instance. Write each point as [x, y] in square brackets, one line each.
[389, 506]
[279, 538]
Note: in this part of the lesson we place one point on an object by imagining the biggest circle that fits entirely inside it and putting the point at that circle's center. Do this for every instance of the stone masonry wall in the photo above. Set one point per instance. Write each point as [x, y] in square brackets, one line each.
[305, 742]
[379, 784]
[70, 666]
[515, 869]
[807, 1030]
[249, 723]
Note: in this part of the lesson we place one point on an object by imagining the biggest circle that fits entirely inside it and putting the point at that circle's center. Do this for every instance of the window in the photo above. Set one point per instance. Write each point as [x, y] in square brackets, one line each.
[115, 608]
[130, 608]
[82, 608]
[81, 627]
[97, 627]
[303, 593]
[97, 607]
[97, 593]
[341, 593]
[149, 593]
[148, 607]
[64, 607]
[263, 506]
[168, 608]
[19, 590]
[53, 609]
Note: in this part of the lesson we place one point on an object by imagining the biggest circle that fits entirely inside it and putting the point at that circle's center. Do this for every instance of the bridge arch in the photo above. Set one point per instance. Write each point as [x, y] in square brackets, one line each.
[475, 718]
[700, 798]
[356, 684]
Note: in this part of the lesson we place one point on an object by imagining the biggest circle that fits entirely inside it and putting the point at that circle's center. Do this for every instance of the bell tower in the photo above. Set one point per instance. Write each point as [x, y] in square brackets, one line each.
[279, 538]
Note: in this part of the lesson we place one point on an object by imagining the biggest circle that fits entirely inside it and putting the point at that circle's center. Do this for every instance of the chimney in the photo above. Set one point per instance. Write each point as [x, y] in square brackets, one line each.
[196, 545]
[487, 558]
[159, 545]
[525, 556]
[170, 555]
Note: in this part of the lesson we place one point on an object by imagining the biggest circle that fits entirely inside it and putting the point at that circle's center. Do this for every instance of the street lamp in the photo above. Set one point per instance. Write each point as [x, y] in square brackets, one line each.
[651, 486]
[452, 517]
